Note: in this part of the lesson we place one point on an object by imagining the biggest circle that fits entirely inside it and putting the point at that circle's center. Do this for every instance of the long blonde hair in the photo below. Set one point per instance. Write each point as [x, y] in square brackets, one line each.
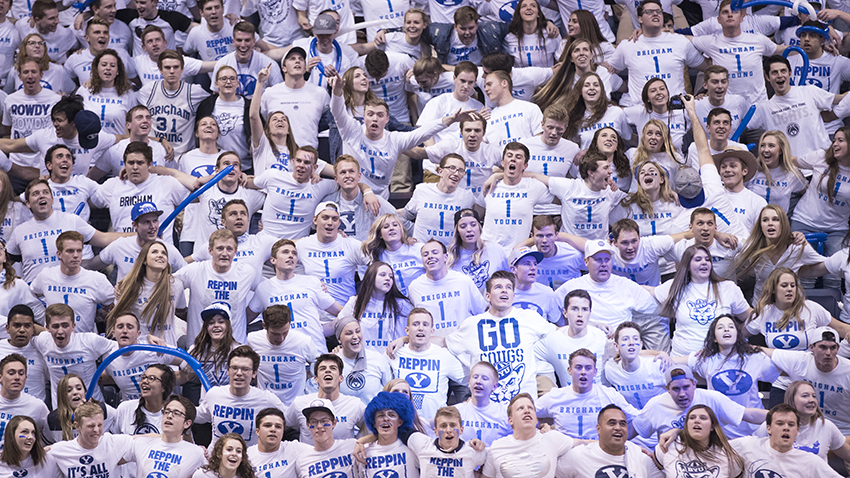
[785, 163]
[758, 246]
[374, 245]
[768, 297]
[641, 197]
[457, 242]
[642, 154]
[157, 310]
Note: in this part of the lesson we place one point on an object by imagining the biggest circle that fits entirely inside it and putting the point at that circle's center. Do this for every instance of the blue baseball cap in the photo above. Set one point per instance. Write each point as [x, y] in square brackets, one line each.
[216, 308]
[142, 208]
[88, 127]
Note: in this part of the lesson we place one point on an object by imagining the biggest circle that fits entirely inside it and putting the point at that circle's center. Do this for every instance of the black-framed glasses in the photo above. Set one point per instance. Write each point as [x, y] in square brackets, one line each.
[175, 413]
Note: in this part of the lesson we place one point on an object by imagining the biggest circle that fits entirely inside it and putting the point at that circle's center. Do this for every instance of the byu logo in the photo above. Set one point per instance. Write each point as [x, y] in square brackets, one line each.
[156, 474]
[732, 382]
[146, 428]
[696, 469]
[230, 426]
[786, 341]
[613, 471]
[702, 311]
[19, 473]
[418, 380]
[202, 171]
[793, 129]
[336, 474]
[506, 13]
[86, 459]
[385, 474]
[355, 381]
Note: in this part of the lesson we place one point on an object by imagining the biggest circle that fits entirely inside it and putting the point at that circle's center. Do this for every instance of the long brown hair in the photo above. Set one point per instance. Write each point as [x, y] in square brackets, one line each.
[768, 297]
[515, 27]
[641, 197]
[11, 454]
[718, 444]
[44, 61]
[620, 160]
[789, 400]
[203, 349]
[122, 83]
[758, 246]
[157, 310]
[63, 405]
[245, 470]
[556, 89]
[683, 278]
[832, 165]
[577, 107]
[348, 89]
[291, 145]
[393, 299]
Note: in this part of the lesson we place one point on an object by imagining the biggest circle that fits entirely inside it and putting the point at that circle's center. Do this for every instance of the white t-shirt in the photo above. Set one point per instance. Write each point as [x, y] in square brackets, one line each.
[509, 457]
[566, 264]
[459, 51]
[35, 241]
[112, 160]
[72, 460]
[210, 46]
[433, 212]
[553, 353]
[614, 301]
[43, 139]
[585, 211]
[541, 299]
[123, 252]
[348, 411]
[614, 117]
[487, 424]
[510, 209]
[493, 258]
[342, 60]
[444, 105]
[126, 417]
[783, 185]
[79, 65]
[636, 387]
[479, 163]
[742, 56]
[27, 468]
[507, 343]
[148, 70]
[337, 461]
[818, 438]
[127, 370]
[83, 291]
[365, 384]
[797, 114]
[231, 414]
[253, 250]
[512, 122]
[664, 56]
[575, 414]
[736, 105]
[793, 336]
[236, 287]
[395, 459]
[677, 121]
[289, 207]
[531, 50]
[25, 114]
[793, 258]
[36, 368]
[391, 87]
[247, 72]
[72, 195]
[283, 367]
[445, 84]
[406, 263]
[276, 464]
[590, 460]
[304, 296]
[334, 263]
[662, 413]
[379, 328]
[762, 460]
[306, 104]
[554, 161]
[120, 197]
[697, 307]
[687, 464]
[77, 357]
[428, 374]
[837, 264]
[451, 300]
[815, 208]
[278, 20]
[177, 460]
[26, 405]
[173, 112]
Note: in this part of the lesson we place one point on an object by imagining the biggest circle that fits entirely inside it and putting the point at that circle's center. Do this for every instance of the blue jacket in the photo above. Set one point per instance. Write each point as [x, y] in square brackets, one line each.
[490, 37]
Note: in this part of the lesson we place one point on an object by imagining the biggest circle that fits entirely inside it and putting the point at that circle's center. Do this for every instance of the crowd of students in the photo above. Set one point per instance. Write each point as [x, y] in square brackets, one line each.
[589, 275]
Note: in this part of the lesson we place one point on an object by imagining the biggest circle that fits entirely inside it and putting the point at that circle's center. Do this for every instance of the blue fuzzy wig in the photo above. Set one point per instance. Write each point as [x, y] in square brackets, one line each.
[395, 401]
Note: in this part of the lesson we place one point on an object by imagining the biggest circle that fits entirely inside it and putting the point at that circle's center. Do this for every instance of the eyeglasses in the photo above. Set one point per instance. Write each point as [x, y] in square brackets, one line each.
[240, 369]
[227, 79]
[151, 378]
[175, 413]
[454, 169]
[36, 43]
[325, 422]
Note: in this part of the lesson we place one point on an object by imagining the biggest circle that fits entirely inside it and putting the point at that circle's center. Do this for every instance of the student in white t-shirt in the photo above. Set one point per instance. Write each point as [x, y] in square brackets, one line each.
[247, 61]
[144, 414]
[425, 366]
[573, 407]
[470, 255]
[65, 351]
[70, 284]
[391, 419]
[510, 119]
[483, 418]
[231, 408]
[526, 452]
[504, 336]
[387, 79]
[636, 377]
[92, 447]
[169, 453]
[20, 326]
[465, 76]
[611, 455]
[272, 457]
[219, 280]
[24, 452]
[778, 178]
[147, 61]
[530, 294]
[228, 457]
[433, 205]
[328, 372]
[324, 452]
[776, 455]
[215, 37]
[560, 262]
[13, 381]
[366, 371]
[718, 96]
[553, 352]
[511, 201]
[128, 370]
[285, 354]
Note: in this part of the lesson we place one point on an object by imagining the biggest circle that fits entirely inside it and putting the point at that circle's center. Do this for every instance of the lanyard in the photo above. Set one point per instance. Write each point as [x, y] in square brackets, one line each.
[320, 66]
